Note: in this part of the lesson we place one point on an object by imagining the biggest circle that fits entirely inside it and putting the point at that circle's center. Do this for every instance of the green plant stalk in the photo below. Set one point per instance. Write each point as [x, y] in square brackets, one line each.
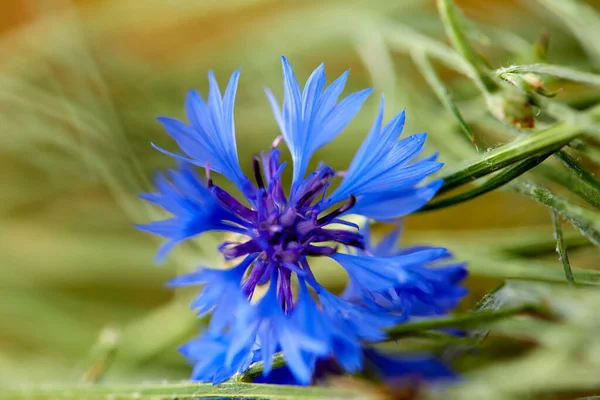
[571, 182]
[556, 71]
[255, 370]
[578, 170]
[585, 221]
[462, 321]
[535, 145]
[451, 20]
[592, 153]
[185, 390]
[489, 264]
[523, 242]
[586, 120]
[499, 180]
[442, 93]
[561, 248]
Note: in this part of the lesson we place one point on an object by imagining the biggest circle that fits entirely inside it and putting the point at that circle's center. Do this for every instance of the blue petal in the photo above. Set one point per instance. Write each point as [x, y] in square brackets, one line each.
[194, 209]
[401, 367]
[208, 354]
[389, 245]
[388, 206]
[220, 292]
[381, 273]
[333, 324]
[431, 285]
[210, 140]
[279, 376]
[313, 118]
[356, 320]
[382, 174]
[266, 326]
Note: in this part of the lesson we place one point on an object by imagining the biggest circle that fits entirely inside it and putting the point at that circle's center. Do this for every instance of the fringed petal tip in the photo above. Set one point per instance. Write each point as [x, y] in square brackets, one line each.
[311, 118]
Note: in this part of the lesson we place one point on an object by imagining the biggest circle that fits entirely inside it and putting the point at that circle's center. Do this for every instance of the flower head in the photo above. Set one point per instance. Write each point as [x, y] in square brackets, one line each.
[280, 231]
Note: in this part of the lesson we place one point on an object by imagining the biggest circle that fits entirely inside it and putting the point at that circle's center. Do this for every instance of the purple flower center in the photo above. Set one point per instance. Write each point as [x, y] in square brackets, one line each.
[282, 232]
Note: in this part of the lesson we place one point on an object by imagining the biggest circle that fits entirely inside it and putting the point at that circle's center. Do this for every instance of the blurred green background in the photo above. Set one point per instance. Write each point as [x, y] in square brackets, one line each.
[80, 86]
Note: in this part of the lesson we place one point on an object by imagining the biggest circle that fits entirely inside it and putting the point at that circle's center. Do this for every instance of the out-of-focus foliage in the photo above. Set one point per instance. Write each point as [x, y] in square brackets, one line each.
[81, 85]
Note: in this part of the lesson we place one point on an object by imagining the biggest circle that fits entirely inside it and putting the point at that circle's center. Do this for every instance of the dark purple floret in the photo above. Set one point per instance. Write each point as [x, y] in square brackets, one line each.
[281, 232]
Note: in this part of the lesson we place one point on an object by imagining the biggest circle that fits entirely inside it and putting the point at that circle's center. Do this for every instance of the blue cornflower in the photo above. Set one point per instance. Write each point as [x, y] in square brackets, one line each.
[282, 230]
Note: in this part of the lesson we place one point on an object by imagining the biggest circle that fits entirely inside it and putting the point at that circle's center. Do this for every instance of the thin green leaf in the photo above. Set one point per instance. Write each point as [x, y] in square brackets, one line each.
[571, 182]
[492, 265]
[558, 71]
[455, 32]
[587, 222]
[442, 93]
[255, 370]
[185, 390]
[461, 321]
[590, 152]
[499, 180]
[538, 144]
[578, 170]
[560, 247]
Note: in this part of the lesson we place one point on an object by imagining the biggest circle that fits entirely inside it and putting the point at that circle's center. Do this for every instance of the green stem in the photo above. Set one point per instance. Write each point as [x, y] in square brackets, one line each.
[561, 249]
[537, 144]
[495, 182]
[585, 221]
[571, 182]
[578, 170]
[255, 370]
[432, 78]
[460, 321]
[556, 71]
[454, 31]
[592, 153]
[185, 390]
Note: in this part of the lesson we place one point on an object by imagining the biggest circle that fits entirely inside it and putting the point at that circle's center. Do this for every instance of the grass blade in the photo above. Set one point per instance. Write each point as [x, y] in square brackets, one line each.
[560, 247]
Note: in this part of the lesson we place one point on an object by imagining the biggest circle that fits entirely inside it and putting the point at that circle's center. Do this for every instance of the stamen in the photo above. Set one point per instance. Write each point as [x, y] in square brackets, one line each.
[232, 252]
[335, 213]
[285, 290]
[209, 180]
[309, 196]
[229, 202]
[257, 173]
[277, 140]
[320, 250]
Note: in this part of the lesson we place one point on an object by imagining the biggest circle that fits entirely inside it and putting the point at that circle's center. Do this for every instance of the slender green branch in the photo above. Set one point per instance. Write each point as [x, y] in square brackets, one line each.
[578, 170]
[183, 390]
[585, 221]
[561, 248]
[255, 370]
[571, 182]
[590, 152]
[538, 144]
[554, 70]
[461, 321]
[454, 31]
[432, 78]
[494, 182]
